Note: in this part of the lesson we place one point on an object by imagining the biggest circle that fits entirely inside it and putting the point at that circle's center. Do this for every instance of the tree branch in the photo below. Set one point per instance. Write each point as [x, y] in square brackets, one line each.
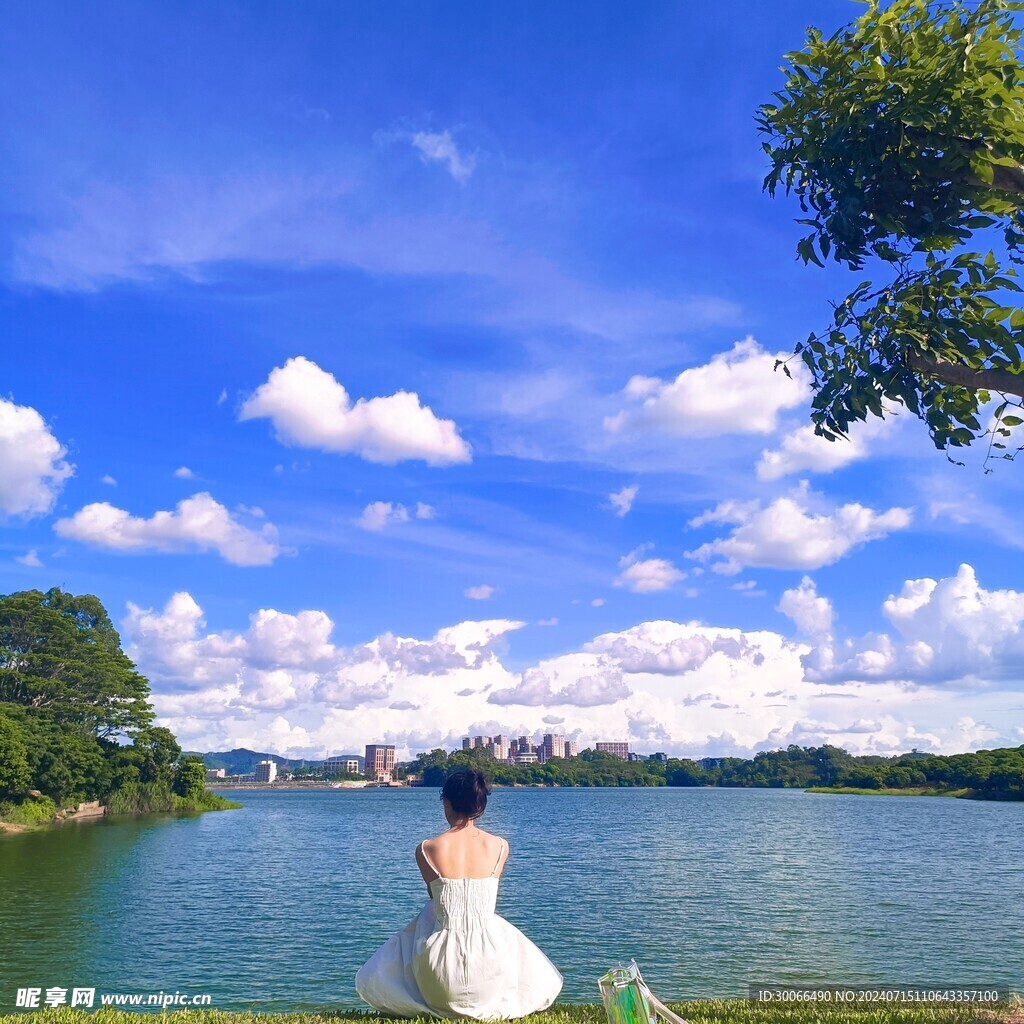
[1003, 381]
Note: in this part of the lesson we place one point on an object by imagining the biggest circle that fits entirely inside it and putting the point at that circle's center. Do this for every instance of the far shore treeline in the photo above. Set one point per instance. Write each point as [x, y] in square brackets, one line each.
[987, 774]
[75, 720]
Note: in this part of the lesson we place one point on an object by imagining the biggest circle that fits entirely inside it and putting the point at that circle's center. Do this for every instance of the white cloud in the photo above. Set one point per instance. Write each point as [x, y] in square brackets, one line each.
[479, 593]
[645, 575]
[379, 514]
[424, 511]
[30, 558]
[310, 408]
[737, 392]
[184, 473]
[622, 500]
[804, 451]
[947, 630]
[790, 534]
[440, 147]
[198, 523]
[553, 621]
[589, 682]
[598, 602]
[812, 614]
[283, 684]
[34, 469]
[108, 480]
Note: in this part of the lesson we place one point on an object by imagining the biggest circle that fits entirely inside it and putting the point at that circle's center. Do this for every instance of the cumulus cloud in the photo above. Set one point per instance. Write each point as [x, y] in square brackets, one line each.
[646, 575]
[379, 514]
[33, 460]
[946, 630]
[198, 523]
[798, 531]
[440, 147]
[803, 451]
[283, 683]
[108, 480]
[184, 473]
[310, 408]
[667, 648]
[588, 682]
[811, 613]
[622, 500]
[30, 558]
[737, 392]
[483, 592]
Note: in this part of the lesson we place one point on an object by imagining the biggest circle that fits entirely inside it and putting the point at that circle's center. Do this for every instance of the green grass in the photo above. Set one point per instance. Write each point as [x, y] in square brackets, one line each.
[909, 791]
[29, 812]
[718, 1011]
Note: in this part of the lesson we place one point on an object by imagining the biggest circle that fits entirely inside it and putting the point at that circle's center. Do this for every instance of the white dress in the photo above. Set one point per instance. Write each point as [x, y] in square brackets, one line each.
[458, 958]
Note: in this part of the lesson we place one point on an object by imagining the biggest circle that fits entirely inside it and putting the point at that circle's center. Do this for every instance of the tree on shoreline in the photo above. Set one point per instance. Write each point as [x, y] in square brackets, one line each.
[75, 718]
[902, 137]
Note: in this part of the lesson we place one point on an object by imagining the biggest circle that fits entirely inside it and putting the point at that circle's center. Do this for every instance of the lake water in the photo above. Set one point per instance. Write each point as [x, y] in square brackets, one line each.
[274, 907]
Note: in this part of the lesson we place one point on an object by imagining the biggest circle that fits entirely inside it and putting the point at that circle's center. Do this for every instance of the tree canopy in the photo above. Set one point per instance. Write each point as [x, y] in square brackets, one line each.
[902, 137]
[75, 718]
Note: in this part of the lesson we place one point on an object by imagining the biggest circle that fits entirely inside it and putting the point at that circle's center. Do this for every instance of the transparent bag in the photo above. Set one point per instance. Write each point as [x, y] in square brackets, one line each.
[628, 1000]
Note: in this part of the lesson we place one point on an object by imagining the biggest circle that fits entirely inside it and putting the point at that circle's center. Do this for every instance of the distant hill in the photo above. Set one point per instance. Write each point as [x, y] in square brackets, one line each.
[241, 761]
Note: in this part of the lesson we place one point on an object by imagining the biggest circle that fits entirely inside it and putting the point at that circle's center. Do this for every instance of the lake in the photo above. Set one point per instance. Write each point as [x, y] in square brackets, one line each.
[273, 907]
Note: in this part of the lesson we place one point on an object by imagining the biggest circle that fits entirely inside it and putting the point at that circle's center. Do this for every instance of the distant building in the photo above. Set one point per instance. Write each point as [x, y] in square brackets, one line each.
[468, 742]
[498, 747]
[618, 749]
[265, 771]
[380, 761]
[631, 756]
[343, 764]
[212, 774]
[571, 748]
[659, 756]
[708, 763]
[553, 745]
[526, 757]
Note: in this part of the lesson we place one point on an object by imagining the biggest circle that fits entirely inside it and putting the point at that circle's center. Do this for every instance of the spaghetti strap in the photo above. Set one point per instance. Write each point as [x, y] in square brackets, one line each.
[430, 863]
[501, 850]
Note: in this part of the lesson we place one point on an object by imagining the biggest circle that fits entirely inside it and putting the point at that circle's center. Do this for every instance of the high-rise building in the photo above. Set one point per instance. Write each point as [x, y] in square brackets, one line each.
[343, 764]
[618, 749]
[659, 756]
[499, 747]
[265, 771]
[525, 745]
[553, 745]
[571, 748]
[380, 761]
[468, 742]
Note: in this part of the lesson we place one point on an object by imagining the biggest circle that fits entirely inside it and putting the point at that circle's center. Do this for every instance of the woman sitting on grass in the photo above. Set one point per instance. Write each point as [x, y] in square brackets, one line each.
[458, 958]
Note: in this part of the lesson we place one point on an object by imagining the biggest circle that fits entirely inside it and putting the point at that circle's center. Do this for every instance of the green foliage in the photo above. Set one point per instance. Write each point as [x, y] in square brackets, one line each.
[902, 136]
[987, 774]
[14, 770]
[31, 811]
[70, 699]
[591, 768]
[190, 778]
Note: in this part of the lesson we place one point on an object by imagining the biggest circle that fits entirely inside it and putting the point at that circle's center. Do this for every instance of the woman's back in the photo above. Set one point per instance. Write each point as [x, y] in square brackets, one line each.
[463, 853]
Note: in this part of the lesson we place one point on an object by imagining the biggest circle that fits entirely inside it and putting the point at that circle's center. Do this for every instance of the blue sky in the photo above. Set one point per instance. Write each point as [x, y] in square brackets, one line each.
[224, 225]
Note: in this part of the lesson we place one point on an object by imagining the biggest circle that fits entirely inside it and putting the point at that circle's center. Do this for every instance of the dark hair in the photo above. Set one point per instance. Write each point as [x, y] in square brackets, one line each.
[466, 790]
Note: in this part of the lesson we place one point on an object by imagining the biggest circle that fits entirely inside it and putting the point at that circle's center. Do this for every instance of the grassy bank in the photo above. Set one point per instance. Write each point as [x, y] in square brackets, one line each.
[35, 813]
[908, 791]
[719, 1011]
